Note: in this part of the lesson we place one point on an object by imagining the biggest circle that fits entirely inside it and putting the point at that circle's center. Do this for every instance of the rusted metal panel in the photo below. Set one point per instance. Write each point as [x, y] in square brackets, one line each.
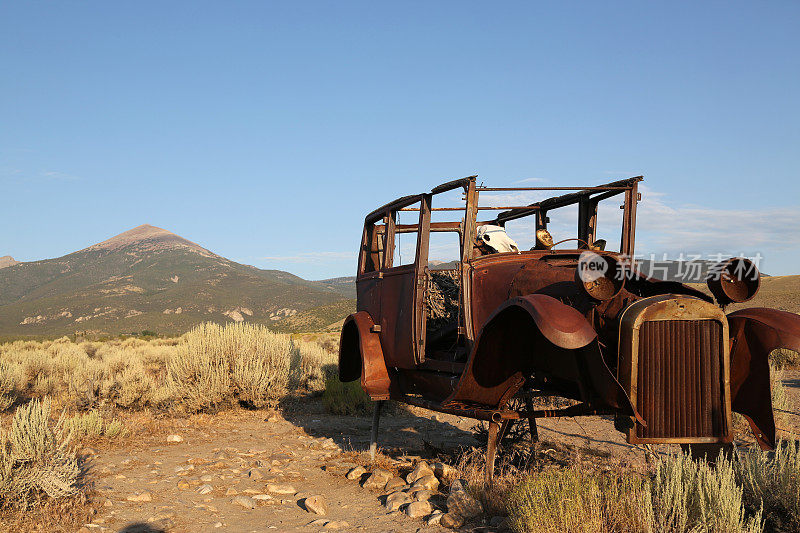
[359, 343]
[755, 333]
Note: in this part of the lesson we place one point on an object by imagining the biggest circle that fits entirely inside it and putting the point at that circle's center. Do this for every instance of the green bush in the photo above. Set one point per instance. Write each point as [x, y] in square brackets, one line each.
[345, 398]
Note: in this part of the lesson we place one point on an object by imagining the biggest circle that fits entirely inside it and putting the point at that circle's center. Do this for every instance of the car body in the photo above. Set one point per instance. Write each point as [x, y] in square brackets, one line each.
[661, 356]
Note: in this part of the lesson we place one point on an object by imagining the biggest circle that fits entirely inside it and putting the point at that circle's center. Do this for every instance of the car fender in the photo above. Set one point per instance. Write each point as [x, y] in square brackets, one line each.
[361, 356]
[755, 332]
[537, 332]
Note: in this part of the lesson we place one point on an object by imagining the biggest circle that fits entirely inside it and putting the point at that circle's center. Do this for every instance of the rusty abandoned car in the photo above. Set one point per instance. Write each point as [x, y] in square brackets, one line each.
[502, 323]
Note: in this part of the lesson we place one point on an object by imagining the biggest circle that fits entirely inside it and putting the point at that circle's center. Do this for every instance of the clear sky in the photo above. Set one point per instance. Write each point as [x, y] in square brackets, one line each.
[265, 131]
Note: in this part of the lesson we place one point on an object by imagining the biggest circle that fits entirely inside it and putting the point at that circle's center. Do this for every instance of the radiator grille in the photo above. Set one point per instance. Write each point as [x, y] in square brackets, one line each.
[680, 384]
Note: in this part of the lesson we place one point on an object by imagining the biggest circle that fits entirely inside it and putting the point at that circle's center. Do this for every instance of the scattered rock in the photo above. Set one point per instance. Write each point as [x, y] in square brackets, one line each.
[205, 489]
[394, 484]
[426, 482]
[377, 479]
[422, 495]
[174, 438]
[245, 501]
[451, 520]
[421, 470]
[255, 474]
[281, 489]
[207, 478]
[418, 509]
[356, 473]
[336, 524]
[262, 497]
[108, 503]
[142, 497]
[396, 500]
[316, 505]
[460, 503]
[434, 518]
[231, 492]
[443, 470]
[319, 522]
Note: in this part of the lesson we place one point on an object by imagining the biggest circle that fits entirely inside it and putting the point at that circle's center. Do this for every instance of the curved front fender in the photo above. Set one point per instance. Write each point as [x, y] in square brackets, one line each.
[755, 332]
[361, 356]
[562, 325]
[538, 334]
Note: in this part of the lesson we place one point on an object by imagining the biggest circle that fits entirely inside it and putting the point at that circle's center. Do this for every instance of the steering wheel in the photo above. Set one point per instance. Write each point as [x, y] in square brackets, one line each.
[571, 239]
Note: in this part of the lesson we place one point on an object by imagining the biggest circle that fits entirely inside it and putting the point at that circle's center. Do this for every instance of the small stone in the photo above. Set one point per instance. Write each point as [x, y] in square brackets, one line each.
[418, 509]
[451, 520]
[336, 524]
[245, 501]
[174, 438]
[231, 492]
[426, 482]
[183, 484]
[207, 478]
[460, 503]
[356, 473]
[434, 518]
[262, 497]
[394, 484]
[396, 500]
[255, 474]
[377, 479]
[316, 505]
[421, 470]
[281, 489]
[443, 470]
[422, 495]
[141, 497]
[108, 503]
[205, 489]
[218, 524]
[319, 522]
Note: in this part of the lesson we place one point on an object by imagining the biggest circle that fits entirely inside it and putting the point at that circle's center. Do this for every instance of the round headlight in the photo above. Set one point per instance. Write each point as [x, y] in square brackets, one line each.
[734, 280]
[600, 276]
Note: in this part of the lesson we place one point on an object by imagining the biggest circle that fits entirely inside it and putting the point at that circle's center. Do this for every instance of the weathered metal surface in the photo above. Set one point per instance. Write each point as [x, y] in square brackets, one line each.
[734, 280]
[652, 352]
[755, 333]
[361, 356]
[673, 362]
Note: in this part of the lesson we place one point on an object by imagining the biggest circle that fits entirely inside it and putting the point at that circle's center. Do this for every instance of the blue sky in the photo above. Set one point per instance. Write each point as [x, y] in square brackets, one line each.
[266, 131]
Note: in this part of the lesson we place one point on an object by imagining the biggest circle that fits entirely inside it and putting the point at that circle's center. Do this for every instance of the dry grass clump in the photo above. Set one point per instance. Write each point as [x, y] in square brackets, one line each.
[681, 495]
[91, 424]
[783, 357]
[36, 460]
[773, 480]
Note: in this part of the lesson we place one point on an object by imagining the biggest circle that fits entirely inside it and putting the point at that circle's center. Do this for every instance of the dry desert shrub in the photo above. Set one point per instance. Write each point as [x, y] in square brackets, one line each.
[36, 460]
[91, 424]
[773, 480]
[682, 495]
[216, 365]
[312, 366]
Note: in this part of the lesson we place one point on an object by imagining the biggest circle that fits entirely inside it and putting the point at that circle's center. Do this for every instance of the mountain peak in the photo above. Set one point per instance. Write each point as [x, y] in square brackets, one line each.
[7, 261]
[150, 238]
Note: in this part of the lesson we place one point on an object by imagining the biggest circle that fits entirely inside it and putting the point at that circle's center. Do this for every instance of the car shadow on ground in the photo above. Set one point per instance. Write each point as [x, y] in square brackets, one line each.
[400, 431]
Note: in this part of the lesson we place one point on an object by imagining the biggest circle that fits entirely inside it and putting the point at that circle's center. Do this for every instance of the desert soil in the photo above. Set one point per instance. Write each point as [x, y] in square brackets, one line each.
[310, 451]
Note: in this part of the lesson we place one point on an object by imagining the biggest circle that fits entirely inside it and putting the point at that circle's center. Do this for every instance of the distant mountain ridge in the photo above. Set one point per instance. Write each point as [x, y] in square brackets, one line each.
[148, 278]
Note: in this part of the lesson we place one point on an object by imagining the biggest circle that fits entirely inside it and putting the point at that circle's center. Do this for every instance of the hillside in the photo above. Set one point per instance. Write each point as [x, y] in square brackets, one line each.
[7, 261]
[151, 279]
